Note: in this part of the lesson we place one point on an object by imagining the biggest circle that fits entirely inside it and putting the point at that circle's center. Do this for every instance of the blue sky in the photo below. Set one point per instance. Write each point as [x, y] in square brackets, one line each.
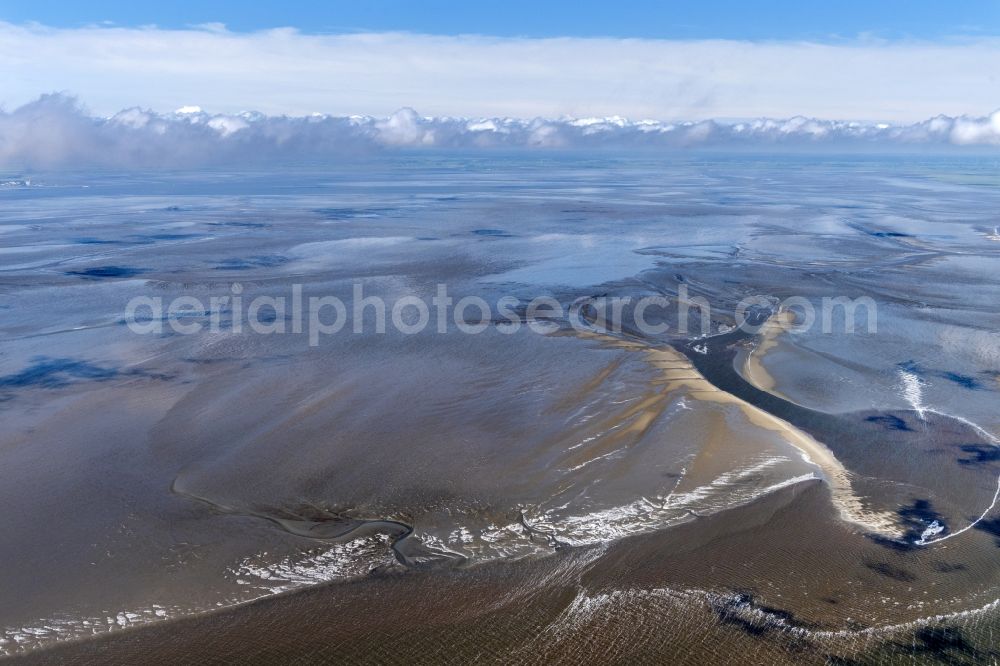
[778, 20]
[848, 60]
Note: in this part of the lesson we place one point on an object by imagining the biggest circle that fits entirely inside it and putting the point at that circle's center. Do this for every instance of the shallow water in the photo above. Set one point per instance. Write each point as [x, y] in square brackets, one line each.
[162, 476]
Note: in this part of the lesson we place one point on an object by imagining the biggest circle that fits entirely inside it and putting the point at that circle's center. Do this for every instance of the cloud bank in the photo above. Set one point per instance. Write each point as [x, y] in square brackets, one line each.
[286, 72]
[55, 132]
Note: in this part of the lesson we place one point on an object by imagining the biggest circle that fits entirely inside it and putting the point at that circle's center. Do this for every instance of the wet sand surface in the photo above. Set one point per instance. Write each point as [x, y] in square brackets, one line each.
[582, 493]
[641, 599]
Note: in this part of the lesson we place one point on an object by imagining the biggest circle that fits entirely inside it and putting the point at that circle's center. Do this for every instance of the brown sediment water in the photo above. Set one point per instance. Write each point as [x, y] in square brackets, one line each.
[784, 572]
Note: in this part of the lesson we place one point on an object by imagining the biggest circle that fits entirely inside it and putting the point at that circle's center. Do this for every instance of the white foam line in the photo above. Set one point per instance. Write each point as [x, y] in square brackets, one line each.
[340, 562]
[20, 640]
[588, 607]
[845, 633]
[913, 392]
[644, 515]
[923, 541]
[975, 426]
[345, 561]
[587, 462]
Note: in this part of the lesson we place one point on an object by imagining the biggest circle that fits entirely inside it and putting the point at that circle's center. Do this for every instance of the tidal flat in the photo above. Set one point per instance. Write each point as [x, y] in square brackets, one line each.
[714, 478]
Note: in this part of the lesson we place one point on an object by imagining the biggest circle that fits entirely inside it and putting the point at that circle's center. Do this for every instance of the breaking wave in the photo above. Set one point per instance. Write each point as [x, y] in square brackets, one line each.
[628, 611]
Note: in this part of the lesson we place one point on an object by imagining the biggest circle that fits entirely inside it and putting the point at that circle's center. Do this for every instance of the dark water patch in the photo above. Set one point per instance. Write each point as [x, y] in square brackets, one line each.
[52, 373]
[948, 567]
[965, 381]
[45, 372]
[991, 526]
[943, 639]
[920, 511]
[877, 233]
[742, 611]
[241, 225]
[918, 516]
[891, 571]
[94, 241]
[215, 360]
[248, 263]
[944, 643]
[890, 421]
[102, 272]
[933, 644]
[166, 237]
[349, 213]
[980, 454]
[889, 234]
[915, 518]
[493, 233]
[901, 545]
[268, 315]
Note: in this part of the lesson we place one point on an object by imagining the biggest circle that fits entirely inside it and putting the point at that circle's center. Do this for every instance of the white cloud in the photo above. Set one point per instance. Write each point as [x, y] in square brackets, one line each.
[54, 132]
[285, 72]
